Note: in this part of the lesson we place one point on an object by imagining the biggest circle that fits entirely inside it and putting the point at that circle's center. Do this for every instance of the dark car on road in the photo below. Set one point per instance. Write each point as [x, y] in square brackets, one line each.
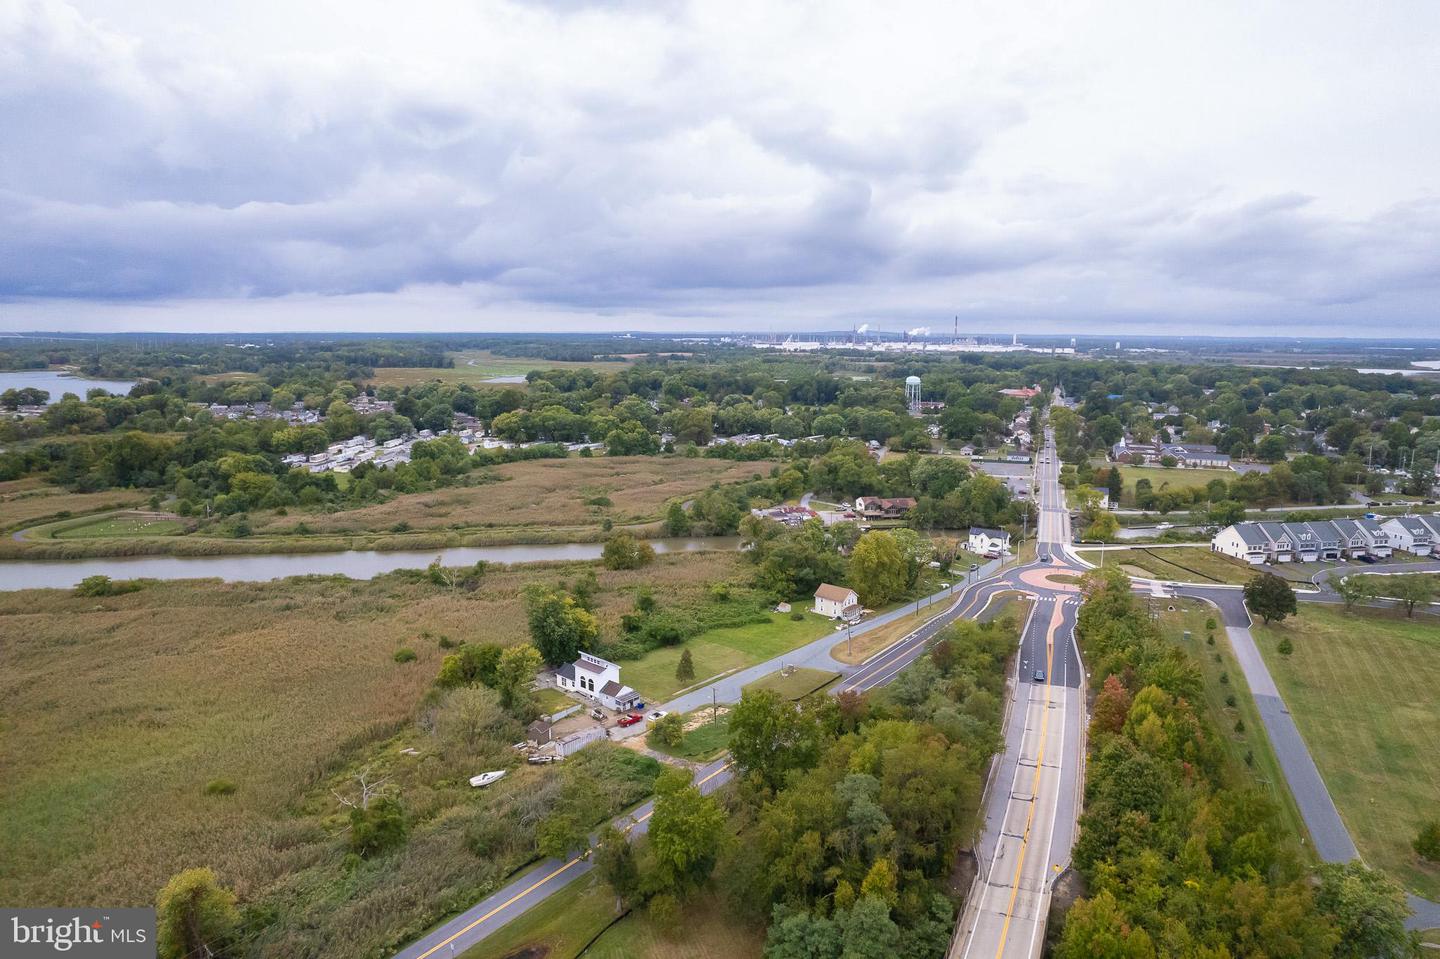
[1038, 676]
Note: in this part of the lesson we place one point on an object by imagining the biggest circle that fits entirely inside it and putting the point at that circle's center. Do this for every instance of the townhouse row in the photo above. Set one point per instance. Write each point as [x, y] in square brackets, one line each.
[1335, 539]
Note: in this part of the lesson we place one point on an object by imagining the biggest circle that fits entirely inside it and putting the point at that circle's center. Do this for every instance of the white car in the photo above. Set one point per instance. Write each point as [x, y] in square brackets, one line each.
[655, 715]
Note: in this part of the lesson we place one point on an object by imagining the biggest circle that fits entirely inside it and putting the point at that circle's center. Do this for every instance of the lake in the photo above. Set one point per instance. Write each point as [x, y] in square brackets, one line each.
[356, 564]
[58, 384]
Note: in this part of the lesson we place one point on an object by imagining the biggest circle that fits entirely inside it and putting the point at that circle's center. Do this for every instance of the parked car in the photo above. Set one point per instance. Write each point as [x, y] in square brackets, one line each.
[630, 720]
[656, 714]
[597, 715]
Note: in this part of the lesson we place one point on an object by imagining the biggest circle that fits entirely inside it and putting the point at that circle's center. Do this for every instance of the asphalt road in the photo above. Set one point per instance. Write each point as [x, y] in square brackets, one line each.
[1033, 795]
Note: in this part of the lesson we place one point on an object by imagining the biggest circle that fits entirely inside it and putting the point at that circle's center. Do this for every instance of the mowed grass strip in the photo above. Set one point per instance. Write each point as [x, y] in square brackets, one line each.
[121, 525]
[798, 683]
[23, 502]
[1215, 661]
[1364, 688]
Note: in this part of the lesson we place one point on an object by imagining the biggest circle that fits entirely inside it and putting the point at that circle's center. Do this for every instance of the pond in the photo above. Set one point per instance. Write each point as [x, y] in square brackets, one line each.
[57, 383]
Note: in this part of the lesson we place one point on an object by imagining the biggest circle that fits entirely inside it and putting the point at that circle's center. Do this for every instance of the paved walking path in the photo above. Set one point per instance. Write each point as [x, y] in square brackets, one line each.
[1322, 819]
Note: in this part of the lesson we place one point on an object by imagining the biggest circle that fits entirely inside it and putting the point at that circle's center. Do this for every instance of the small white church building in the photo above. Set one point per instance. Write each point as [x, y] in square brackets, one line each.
[598, 679]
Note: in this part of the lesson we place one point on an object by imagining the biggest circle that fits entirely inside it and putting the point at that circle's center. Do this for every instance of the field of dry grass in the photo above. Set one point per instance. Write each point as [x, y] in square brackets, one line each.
[539, 494]
[116, 712]
[477, 366]
[27, 501]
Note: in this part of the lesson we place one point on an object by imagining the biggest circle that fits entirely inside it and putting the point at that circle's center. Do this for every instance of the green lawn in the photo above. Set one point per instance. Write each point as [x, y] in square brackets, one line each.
[1251, 756]
[1160, 477]
[801, 682]
[1186, 564]
[552, 700]
[1364, 688]
[720, 651]
[559, 927]
[708, 931]
[120, 525]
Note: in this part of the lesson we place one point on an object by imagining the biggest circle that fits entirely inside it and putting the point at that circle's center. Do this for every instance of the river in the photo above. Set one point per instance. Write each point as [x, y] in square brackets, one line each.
[356, 564]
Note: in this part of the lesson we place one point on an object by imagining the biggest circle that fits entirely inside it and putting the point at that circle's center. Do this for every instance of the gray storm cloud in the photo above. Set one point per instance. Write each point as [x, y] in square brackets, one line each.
[700, 163]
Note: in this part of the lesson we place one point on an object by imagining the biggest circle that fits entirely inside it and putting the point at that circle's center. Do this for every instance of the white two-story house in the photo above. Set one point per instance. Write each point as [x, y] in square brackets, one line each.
[597, 679]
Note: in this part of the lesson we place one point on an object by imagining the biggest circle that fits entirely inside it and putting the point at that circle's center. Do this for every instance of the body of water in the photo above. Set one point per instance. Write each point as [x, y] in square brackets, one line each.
[58, 384]
[356, 564]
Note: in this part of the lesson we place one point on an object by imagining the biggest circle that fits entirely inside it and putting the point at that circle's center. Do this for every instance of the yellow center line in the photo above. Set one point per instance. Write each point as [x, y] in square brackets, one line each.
[540, 882]
[1035, 784]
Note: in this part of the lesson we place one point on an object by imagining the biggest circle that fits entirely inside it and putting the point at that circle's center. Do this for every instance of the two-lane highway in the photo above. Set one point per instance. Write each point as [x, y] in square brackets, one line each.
[1033, 798]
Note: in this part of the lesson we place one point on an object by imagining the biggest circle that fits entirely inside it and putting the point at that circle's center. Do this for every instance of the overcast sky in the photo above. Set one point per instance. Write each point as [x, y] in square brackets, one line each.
[1223, 167]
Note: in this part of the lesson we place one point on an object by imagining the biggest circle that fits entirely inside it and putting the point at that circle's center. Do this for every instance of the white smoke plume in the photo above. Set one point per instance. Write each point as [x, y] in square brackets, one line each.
[919, 331]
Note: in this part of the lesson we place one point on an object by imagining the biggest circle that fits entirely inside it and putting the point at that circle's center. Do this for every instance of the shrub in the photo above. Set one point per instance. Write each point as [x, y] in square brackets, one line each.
[219, 787]
[1239, 725]
[1209, 640]
[1230, 700]
[1210, 624]
[404, 655]
[105, 586]
[1285, 648]
[599, 501]
[377, 829]
[797, 616]
[1224, 679]
[1427, 843]
[446, 642]
[623, 551]
[669, 730]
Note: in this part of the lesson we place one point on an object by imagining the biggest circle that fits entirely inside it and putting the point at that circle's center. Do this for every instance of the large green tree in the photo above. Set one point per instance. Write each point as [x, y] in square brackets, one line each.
[686, 831]
[1270, 596]
[878, 569]
[1370, 910]
[559, 627]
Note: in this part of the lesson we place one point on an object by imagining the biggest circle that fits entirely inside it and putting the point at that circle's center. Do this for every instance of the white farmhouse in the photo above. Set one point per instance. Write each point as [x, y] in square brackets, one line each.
[836, 602]
[986, 541]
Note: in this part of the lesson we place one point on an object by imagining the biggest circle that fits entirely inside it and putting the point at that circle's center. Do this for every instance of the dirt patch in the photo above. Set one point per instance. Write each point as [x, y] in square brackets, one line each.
[528, 952]
[962, 874]
[704, 716]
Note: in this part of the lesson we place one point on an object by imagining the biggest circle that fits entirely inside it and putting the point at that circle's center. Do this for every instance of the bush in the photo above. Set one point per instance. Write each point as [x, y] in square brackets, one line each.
[599, 501]
[1209, 640]
[219, 787]
[105, 586]
[1239, 725]
[377, 829]
[797, 616]
[1285, 648]
[1427, 843]
[669, 730]
[446, 642]
[1210, 624]
[1230, 700]
[404, 655]
[1224, 679]
[623, 551]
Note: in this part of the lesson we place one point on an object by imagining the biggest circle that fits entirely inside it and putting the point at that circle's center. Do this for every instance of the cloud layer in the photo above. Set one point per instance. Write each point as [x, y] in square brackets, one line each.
[718, 165]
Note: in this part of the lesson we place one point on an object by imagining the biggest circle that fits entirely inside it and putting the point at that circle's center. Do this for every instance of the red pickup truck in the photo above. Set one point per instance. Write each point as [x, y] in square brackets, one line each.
[630, 720]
